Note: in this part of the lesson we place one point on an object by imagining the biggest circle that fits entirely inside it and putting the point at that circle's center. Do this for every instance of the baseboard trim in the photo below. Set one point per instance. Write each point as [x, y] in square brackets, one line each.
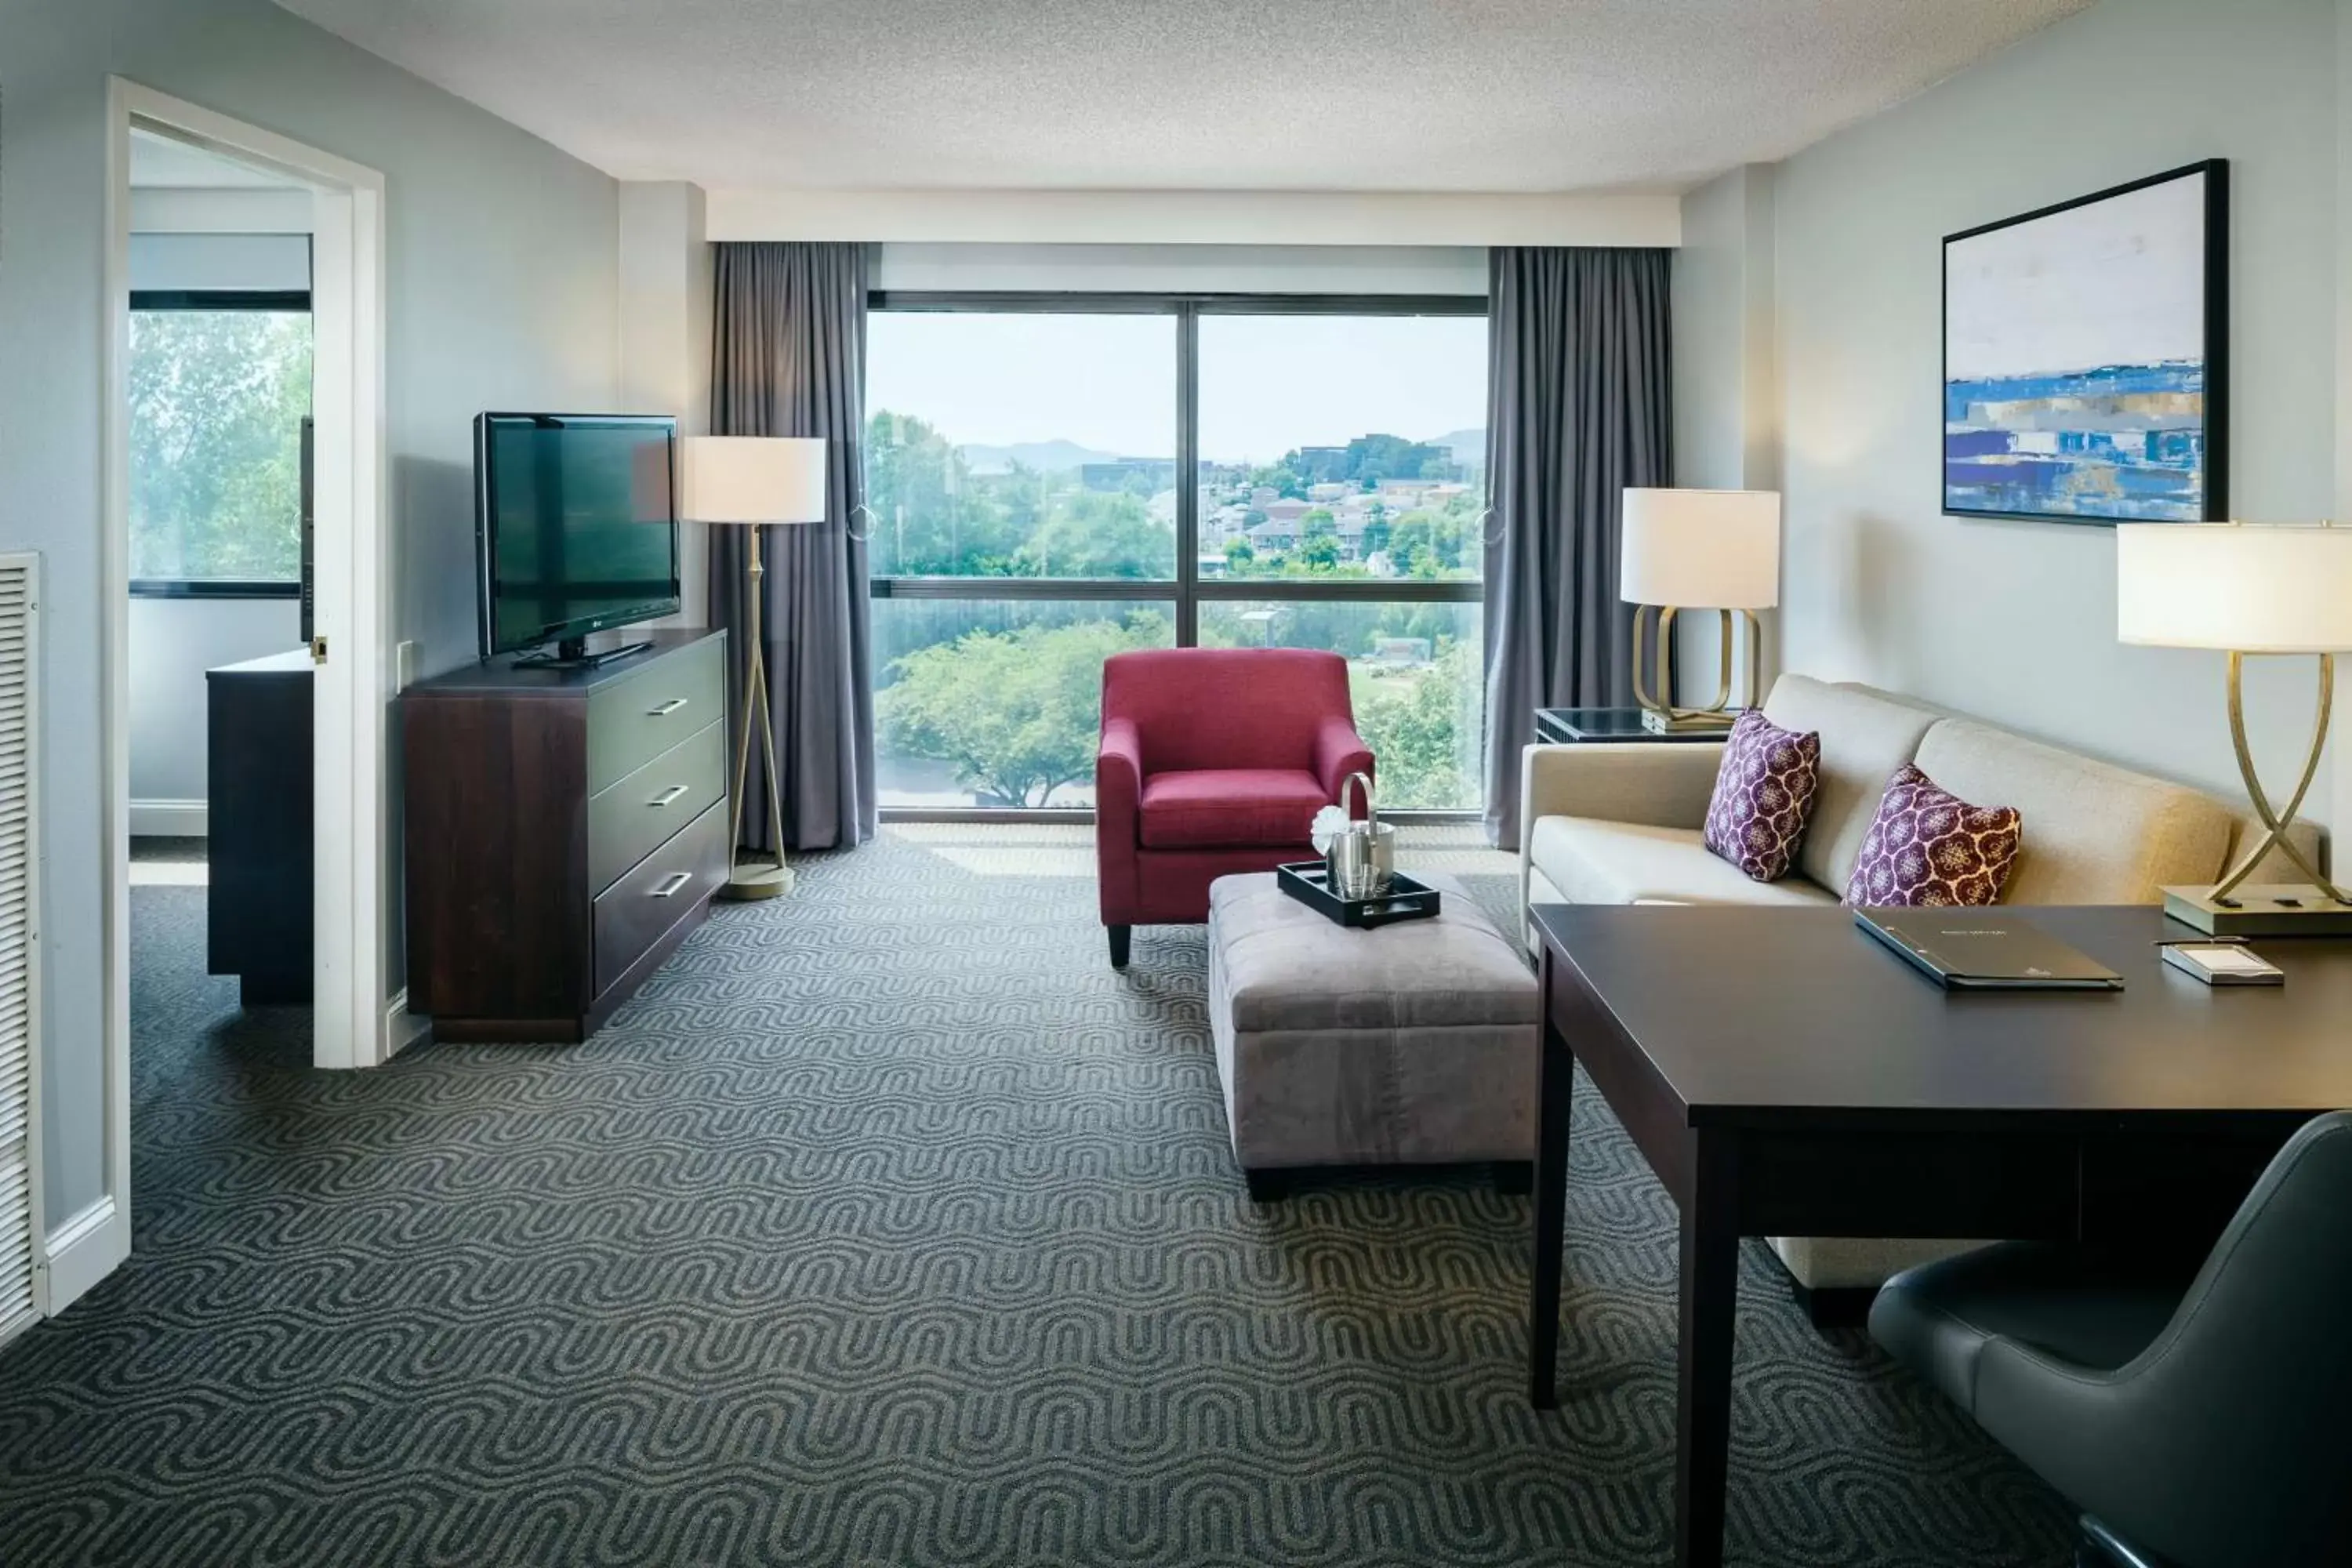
[401, 1028]
[79, 1253]
[170, 819]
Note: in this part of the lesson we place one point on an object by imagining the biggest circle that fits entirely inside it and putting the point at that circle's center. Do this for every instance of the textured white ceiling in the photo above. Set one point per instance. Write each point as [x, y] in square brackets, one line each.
[1394, 95]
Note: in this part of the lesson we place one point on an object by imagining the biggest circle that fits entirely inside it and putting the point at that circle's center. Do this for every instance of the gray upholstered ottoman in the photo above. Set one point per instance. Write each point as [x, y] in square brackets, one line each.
[1413, 1044]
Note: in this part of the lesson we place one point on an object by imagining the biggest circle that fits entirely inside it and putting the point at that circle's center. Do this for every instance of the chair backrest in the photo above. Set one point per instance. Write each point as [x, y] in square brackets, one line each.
[1226, 708]
[2251, 1381]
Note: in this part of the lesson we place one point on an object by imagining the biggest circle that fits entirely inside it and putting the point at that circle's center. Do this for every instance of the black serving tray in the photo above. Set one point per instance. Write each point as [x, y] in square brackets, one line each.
[1310, 882]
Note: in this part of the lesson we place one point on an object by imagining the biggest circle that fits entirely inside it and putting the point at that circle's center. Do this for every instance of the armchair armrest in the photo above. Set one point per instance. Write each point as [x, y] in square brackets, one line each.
[1118, 781]
[1338, 752]
[1654, 786]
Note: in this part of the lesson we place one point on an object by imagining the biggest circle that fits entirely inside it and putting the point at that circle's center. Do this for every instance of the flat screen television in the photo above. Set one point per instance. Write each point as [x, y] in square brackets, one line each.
[575, 527]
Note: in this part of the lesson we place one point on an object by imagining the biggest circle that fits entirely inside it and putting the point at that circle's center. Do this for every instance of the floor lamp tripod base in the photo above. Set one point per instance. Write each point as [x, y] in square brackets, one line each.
[765, 878]
[756, 879]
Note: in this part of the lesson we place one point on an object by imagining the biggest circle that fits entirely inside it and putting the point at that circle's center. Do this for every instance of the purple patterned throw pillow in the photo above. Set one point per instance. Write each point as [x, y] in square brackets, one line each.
[1928, 848]
[1763, 796]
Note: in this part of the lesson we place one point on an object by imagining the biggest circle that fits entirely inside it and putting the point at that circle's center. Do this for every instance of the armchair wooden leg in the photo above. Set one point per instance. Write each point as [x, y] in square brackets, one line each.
[1121, 942]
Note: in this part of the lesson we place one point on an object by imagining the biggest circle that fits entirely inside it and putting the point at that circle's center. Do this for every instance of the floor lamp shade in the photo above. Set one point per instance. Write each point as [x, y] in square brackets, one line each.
[2244, 590]
[752, 479]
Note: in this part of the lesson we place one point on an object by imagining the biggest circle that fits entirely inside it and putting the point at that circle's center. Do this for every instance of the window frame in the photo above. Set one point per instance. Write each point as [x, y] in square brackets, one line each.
[1187, 590]
[270, 301]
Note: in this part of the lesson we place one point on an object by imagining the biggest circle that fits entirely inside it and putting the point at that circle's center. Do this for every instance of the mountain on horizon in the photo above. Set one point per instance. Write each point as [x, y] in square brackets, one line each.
[1056, 456]
[1467, 445]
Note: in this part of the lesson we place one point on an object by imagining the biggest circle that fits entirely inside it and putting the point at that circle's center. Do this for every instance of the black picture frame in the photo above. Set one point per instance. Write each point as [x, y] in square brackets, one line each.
[2215, 425]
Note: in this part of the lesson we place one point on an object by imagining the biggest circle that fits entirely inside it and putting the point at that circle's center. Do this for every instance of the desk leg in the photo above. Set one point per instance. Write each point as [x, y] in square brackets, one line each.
[1710, 1292]
[1556, 1080]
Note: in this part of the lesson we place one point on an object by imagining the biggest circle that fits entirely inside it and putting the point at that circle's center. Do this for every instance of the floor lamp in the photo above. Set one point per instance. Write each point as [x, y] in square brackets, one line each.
[751, 481]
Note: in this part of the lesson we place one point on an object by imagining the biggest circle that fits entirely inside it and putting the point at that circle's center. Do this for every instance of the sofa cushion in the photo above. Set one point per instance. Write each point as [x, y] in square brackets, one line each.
[1594, 862]
[2094, 834]
[1865, 736]
[1763, 795]
[1929, 848]
[1216, 807]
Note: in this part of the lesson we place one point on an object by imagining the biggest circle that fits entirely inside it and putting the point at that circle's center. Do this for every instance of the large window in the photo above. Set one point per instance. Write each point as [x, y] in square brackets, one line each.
[219, 387]
[1054, 479]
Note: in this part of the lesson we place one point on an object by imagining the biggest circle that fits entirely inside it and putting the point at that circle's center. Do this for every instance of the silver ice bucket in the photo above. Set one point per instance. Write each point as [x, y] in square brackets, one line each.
[1363, 856]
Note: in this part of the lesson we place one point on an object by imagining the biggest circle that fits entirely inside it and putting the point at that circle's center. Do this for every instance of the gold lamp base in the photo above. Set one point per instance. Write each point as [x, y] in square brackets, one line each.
[755, 880]
[1659, 714]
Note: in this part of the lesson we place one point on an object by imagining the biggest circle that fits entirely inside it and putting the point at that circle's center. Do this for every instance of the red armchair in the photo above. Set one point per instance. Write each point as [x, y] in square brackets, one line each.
[1213, 762]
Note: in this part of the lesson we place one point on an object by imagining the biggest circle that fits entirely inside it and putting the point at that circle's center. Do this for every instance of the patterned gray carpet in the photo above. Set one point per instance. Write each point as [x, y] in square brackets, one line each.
[889, 1227]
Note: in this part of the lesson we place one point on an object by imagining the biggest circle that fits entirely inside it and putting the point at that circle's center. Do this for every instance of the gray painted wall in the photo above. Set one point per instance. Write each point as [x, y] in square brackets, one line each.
[1726, 408]
[502, 293]
[173, 643]
[2016, 621]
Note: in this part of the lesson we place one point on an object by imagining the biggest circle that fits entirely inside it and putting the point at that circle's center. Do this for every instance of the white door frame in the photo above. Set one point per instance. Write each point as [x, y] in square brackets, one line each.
[352, 1028]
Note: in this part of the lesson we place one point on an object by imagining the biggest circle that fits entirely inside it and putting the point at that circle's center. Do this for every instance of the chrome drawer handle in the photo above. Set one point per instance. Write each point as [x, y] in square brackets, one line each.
[667, 709]
[669, 795]
[672, 883]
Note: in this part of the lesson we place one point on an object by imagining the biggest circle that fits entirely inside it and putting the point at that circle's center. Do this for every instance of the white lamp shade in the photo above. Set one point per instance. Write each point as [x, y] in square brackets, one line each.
[1710, 549]
[2244, 588]
[751, 478]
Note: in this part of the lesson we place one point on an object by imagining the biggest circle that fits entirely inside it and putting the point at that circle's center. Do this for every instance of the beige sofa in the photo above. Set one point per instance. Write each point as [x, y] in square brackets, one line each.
[1620, 825]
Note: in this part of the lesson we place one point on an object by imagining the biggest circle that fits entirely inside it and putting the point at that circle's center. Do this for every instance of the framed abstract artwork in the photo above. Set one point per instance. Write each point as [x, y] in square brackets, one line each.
[2086, 357]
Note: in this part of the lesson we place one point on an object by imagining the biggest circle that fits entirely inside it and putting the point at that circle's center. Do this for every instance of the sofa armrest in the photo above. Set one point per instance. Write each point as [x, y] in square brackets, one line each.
[1338, 752]
[1655, 785]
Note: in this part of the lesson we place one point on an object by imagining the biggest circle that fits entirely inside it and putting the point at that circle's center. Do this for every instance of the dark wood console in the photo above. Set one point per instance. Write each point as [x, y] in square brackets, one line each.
[565, 830]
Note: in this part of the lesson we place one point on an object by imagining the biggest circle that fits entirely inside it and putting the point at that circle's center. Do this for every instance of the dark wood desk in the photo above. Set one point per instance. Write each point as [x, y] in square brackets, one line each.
[1784, 1075]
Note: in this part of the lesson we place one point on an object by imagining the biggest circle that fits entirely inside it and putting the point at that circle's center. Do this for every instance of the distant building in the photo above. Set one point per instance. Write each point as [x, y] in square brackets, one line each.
[1286, 511]
[1146, 474]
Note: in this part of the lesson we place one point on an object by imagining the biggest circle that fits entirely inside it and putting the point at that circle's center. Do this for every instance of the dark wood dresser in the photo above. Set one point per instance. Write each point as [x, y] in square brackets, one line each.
[258, 789]
[565, 829]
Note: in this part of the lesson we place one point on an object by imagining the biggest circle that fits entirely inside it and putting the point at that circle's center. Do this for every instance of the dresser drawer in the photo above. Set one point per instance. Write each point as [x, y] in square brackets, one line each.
[633, 722]
[636, 912]
[633, 818]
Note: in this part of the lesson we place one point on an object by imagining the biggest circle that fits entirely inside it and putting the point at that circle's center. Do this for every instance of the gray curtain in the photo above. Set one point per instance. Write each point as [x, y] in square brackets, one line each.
[788, 358]
[1578, 407]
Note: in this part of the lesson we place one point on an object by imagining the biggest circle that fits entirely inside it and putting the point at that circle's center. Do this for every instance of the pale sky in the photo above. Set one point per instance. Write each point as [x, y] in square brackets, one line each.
[1267, 383]
[2117, 282]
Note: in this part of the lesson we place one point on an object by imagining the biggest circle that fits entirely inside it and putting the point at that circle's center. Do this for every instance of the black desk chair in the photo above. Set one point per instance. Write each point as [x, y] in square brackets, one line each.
[2202, 1423]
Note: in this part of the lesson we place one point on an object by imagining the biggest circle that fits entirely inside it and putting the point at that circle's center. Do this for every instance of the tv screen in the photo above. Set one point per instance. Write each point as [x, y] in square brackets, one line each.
[576, 519]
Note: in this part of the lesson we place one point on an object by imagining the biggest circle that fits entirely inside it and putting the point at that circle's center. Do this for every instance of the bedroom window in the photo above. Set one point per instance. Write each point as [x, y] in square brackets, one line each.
[219, 387]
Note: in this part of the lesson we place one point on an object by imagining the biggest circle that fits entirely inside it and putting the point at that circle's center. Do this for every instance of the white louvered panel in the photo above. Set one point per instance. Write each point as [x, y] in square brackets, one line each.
[19, 950]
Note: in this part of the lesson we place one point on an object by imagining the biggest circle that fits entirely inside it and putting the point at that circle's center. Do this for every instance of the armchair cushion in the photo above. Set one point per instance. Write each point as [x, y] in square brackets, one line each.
[1204, 808]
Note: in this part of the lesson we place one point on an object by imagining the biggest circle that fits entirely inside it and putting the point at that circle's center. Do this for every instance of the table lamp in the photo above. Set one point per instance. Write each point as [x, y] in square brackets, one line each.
[751, 481]
[1717, 550]
[2245, 591]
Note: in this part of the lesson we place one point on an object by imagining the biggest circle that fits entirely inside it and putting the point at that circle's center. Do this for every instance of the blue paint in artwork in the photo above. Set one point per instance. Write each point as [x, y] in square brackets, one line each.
[2121, 442]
